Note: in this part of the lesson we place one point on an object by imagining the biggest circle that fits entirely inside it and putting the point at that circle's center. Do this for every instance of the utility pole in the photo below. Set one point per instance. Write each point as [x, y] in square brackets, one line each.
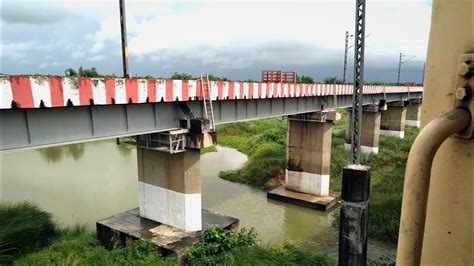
[399, 68]
[123, 31]
[400, 63]
[346, 49]
[355, 177]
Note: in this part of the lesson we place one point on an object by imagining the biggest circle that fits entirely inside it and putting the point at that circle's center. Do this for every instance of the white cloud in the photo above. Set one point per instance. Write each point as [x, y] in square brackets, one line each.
[395, 26]
[97, 47]
[96, 58]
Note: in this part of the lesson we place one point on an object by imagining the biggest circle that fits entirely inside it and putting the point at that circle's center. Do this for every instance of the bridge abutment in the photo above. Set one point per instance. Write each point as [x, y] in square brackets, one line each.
[370, 132]
[414, 113]
[308, 158]
[393, 120]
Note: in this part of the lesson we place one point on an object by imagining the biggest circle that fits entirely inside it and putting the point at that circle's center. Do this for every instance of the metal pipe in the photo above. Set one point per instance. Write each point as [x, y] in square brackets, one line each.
[417, 182]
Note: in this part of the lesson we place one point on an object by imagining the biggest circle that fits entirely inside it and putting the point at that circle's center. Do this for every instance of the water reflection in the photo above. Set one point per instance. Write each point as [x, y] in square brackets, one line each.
[54, 154]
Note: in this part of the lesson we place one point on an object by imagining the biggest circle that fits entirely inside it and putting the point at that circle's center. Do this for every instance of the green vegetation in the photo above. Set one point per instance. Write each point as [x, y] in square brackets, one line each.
[75, 246]
[332, 80]
[208, 149]
[305, 79]
[216, 242]
[85, 249]
[23, 228]
[264, 142]
[223, 247]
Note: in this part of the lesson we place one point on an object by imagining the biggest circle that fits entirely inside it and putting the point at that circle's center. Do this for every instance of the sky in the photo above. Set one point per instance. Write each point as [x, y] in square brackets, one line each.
[234, 39]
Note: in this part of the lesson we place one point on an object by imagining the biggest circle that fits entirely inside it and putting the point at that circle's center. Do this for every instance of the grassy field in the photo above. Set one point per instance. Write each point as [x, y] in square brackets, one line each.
[264, 142]
[29, 236]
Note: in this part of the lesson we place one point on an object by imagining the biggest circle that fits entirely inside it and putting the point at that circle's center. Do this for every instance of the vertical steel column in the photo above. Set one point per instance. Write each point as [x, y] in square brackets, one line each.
[358, 80]
[356, 177]
[123, 31]
[346, 49]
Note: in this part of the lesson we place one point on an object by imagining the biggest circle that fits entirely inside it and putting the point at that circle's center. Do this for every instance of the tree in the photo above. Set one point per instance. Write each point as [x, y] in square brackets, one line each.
[70, 72]
[182, 76]
[373, 83]
[332, 80]
[90, 73]
[305, 79]
[216, 78]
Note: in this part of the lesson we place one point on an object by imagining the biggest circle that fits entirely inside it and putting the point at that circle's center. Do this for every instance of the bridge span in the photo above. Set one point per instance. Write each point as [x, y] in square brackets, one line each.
[40, 111]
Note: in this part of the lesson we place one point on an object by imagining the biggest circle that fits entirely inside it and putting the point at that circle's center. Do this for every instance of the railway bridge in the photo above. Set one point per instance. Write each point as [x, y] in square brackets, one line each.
[170, 120]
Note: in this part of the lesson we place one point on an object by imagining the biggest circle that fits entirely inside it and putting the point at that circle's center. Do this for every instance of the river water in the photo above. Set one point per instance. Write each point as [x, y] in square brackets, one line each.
[84, 183]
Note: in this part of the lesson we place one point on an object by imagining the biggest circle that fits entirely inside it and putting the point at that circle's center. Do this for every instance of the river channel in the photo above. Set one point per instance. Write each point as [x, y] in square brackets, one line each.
[83, 183]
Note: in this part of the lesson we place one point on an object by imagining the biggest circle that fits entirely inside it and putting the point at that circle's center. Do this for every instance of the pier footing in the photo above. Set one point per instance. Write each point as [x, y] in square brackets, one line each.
[123, 229]
[322, 203]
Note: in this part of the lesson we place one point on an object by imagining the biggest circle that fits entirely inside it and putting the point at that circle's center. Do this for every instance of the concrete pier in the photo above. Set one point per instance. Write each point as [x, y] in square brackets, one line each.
[170, 188]
[414, 113]
[123, 229]
[393, 120]
[308, 158]
[370, 131]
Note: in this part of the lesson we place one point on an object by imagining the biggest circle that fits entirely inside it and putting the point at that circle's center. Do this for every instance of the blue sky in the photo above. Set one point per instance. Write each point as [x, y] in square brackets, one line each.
[236, 39]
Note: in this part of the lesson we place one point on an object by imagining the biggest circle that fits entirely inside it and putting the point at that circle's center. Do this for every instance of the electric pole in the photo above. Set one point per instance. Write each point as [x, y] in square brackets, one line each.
[400, 63]
[399, 68]
[346, 49]
[123, 31]
[355, 177]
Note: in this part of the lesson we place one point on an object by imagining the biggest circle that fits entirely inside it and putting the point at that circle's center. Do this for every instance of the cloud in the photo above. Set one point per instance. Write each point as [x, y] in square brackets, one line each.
[232, 38]
[97, 47]
[43, 13]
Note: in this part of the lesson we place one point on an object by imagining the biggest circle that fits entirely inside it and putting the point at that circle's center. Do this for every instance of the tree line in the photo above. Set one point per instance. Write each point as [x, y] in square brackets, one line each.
[303, 79]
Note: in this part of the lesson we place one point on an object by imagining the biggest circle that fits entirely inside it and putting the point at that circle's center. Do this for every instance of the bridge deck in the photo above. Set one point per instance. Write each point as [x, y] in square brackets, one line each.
[96, 109]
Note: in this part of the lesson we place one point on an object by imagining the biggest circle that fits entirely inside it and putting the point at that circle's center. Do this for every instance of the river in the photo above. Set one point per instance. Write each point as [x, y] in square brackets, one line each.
[83, 183]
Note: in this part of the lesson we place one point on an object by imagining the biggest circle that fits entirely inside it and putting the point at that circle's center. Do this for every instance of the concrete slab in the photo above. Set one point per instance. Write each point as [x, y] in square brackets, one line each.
[322, 203]
[124, 228]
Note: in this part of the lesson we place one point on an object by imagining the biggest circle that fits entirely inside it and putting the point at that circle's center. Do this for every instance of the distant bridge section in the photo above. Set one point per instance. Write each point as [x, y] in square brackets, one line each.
[40, 111]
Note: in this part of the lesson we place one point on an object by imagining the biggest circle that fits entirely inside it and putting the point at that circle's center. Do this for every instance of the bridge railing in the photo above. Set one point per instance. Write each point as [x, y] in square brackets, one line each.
[24, 91]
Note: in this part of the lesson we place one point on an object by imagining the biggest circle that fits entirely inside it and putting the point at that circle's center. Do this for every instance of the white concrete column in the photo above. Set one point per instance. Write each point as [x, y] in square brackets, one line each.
[308, 157]
[170, 188]
[393, 120]
[414, 113]
[370, 133]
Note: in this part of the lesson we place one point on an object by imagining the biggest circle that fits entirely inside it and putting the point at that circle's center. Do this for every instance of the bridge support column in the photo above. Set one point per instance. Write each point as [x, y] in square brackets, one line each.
[414, 113]
[370, 129]
[393, 120]
[308, 158]
[170, 188]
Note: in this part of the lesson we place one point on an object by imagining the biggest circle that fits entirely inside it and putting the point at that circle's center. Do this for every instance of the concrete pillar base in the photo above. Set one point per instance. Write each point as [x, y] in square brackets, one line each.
[125, 228]
[322, 203]
[363, 149]
[413, 123]
[307, 182]
[393, 133]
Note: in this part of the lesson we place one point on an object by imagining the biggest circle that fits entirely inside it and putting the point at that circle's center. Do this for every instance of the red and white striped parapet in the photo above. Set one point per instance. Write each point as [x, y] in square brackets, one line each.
[21, 91]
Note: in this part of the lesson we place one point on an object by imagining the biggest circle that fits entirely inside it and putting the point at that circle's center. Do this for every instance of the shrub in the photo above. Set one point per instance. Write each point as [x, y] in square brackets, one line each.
[216, 242]
[24, 228]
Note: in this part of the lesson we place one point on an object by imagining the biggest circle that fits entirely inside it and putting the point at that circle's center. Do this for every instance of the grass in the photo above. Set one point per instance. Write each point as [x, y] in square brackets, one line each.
[223, 247]
[23, 228]
[77, 246]
[264, 142]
